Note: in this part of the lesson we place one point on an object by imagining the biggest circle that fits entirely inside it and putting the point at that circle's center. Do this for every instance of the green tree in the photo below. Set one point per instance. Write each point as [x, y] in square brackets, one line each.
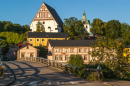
[39, 27]
[76, 60]
[125, 29]
[98, 27]
[110, 52]
[113, 29]
[74, 28]
[5, 47]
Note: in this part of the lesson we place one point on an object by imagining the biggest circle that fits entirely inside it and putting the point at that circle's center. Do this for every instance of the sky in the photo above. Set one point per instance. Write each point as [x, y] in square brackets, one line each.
[23, 11]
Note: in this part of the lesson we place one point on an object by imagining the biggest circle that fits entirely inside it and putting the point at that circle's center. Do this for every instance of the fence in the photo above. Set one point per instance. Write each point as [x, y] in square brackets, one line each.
[62, 66]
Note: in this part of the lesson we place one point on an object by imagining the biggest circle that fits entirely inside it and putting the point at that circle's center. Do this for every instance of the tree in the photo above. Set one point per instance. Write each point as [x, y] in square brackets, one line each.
[98, 27]
[110, 52]
[113, 29]
[39, 27]
[5, 47]
[125, 29]
[76, 60]
[74, 28]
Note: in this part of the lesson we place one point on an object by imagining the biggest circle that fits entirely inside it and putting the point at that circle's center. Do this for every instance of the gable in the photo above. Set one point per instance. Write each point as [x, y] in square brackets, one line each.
[43, 14]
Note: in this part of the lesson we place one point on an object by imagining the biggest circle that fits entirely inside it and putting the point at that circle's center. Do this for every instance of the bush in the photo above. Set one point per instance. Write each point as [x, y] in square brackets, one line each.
[76, 60]
[92, 76]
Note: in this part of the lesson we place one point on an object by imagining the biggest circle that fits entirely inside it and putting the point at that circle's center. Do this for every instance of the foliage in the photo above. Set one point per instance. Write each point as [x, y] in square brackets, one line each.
[76, 60]
[10, 27]
[13, 38]
[5, 47]
[98, 27]
[110, 52]
[93, 76]
[125, 29]
[39, 27]
[42, 52]
[74, 28]
[113, 29]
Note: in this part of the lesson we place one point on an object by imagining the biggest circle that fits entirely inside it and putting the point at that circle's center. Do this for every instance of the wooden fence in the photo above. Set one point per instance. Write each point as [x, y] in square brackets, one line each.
[58, 65]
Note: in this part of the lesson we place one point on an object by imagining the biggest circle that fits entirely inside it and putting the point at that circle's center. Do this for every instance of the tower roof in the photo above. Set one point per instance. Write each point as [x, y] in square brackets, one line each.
[84, 19]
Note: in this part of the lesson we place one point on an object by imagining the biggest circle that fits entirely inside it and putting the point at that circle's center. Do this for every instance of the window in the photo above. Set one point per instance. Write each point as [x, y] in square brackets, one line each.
[60, 50]
[40, 44]
[93, 58]
[66, 50]
[85, 50]
[80, 50]
[49, 38]
[43, 22]
[86, 26]
[85, 57]
[37, 39]
[22, 55]
[56, 50]
[60, 58]
[57, 39]
[31, 54]
[31, 39]
[56, 57]
[66, 57]
[71, 50]
[43, 39]
[56, 28]
[49, 27]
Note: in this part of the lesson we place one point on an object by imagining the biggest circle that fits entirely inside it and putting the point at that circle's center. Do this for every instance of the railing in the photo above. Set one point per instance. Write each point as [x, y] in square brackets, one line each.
[58, 65]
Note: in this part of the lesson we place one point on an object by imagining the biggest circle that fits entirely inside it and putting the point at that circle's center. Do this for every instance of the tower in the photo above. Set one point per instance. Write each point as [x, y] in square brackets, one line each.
[86, 23]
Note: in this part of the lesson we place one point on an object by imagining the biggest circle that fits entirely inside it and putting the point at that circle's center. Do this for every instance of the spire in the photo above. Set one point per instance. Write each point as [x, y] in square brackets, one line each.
[84, 14]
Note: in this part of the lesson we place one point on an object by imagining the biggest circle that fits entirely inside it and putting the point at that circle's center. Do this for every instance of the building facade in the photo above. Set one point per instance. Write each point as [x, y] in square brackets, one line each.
[49, 18]
[61, 50]
[41, 38]
[27, 51]
[126, 52]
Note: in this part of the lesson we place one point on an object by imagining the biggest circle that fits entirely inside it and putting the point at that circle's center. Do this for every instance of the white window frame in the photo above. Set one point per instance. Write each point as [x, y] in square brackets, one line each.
[31, 40]
[66, 50]
[56, 50]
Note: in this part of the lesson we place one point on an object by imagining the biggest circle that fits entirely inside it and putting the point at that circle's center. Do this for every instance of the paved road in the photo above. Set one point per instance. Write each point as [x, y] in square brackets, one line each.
[29, 73]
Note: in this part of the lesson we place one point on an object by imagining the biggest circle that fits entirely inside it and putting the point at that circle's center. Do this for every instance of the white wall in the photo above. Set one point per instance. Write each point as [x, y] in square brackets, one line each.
[88, 27]
[48, 23]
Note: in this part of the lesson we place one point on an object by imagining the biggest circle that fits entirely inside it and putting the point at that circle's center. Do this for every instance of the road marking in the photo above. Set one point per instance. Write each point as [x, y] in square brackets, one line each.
[63, 83]
[33, 83]
[74, 82]
[19, 83]
[49, 83]
[58, 82]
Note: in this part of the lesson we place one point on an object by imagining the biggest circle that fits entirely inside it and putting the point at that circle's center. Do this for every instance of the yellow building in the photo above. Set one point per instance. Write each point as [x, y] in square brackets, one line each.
[41, 38]
[127, 52]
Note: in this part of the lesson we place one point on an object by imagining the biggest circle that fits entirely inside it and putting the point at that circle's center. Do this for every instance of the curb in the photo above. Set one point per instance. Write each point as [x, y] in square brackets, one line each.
[11, 71]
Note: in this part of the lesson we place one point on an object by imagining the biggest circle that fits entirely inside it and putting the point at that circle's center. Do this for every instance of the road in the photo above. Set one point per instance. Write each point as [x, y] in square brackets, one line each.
[29, 73]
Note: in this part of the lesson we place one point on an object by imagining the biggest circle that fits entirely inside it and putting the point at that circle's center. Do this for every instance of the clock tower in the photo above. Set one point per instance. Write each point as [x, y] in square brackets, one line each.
[86, 23]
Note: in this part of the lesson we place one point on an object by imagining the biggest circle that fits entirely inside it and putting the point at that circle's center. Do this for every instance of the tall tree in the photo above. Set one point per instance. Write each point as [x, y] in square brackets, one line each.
[74, 28]
[98, 27]
[110, 52]
[113, 29]
[125, 29]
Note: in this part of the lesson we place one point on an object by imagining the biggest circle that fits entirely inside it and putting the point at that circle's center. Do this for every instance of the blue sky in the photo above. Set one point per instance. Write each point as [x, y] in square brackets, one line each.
[23, 11]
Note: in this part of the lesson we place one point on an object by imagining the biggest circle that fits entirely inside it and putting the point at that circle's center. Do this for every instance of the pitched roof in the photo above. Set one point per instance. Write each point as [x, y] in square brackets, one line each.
[55, 15]
[46, 35]
[71, 43]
